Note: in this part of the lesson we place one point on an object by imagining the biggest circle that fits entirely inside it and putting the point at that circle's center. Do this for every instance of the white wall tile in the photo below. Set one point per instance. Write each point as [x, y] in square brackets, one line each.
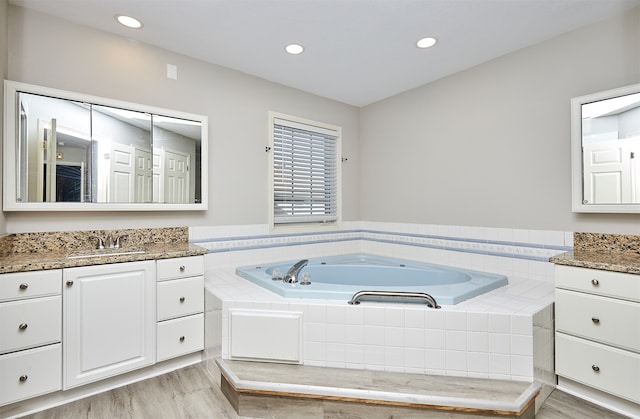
[478, 341]
[499, 343]
[374, 335]
[456, 320]
[456, 340]
[478, 362]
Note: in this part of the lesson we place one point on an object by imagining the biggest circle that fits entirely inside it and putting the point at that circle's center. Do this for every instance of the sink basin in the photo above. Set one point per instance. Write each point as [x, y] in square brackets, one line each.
[103, 253]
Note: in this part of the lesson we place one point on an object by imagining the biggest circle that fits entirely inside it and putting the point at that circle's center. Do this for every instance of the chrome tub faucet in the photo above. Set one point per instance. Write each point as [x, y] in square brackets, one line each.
[291, 276]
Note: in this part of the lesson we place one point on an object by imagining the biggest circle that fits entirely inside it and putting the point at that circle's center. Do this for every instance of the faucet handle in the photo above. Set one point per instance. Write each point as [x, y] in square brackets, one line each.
[119, 240]
[100, 244]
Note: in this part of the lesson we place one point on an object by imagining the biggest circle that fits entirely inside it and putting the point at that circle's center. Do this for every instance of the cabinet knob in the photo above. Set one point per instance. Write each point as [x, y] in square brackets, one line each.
[69, 283]
[24, 286]
[595, 320]
[595, 282]
[23, 326]
[595, 368]
[181, 338]
[182, 299]
[182, 268]
[23, 378]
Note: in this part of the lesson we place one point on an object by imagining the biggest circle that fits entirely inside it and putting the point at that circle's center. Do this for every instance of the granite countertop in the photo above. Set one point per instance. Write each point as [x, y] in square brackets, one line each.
[22, 252]
[607, 252]
[626, 262]
[23, 262]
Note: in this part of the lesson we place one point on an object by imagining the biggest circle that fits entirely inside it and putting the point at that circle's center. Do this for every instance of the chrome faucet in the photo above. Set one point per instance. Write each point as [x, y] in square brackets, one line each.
[291, 276]
[109, 242]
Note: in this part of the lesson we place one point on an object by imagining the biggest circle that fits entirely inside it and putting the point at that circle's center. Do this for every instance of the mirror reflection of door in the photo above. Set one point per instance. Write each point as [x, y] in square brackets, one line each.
[171, 176]
[610, 150]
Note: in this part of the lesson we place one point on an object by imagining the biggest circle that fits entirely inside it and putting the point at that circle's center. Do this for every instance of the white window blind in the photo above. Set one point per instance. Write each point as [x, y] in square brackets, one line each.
[304, 173]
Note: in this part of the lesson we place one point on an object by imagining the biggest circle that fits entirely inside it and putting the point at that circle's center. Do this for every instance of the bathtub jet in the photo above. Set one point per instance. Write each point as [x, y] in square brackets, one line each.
[340, 277]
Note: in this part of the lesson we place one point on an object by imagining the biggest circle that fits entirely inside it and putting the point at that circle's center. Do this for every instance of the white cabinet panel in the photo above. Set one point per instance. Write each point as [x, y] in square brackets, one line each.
[609, 369]
[32, 322]
[180, 336]
[180, 267]
[606, 320]
[21, 285]
[30, 373]
[594, 281]
[109, 320]
[180, 297]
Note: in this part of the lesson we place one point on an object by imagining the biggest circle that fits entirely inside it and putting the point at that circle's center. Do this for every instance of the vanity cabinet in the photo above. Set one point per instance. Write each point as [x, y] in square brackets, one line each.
[598, 330]
[109, 320]
[180, 306]
[30, 334]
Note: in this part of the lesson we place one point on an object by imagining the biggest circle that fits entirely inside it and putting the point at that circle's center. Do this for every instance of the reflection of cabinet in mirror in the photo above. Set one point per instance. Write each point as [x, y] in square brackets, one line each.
[72, 151]
[605, 148]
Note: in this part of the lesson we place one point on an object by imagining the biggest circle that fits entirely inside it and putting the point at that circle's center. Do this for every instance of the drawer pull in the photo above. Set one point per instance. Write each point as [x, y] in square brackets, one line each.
[23, 326]
[69, 283]
[595, 368]
[595, 282]
[595, 320]
[23, 378]
[181, 338]
[24, 286]
[182, 268]
[182, 299]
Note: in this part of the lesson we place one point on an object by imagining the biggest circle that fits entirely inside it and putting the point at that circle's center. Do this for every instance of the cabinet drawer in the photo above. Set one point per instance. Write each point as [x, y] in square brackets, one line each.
[609, 369]
[21, 285]
[594, 281]
[30, 373]
[27, 323]
[180, 336]
[180, 297]
[180, 267]
[607, 320]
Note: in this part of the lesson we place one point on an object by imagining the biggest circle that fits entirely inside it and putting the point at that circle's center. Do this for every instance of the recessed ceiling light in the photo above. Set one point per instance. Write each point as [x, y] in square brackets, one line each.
[294, 49]
[129, 22]
[426, 42]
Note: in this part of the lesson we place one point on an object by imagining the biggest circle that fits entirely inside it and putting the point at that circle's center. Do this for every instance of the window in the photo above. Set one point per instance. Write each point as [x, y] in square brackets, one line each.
[305, 175]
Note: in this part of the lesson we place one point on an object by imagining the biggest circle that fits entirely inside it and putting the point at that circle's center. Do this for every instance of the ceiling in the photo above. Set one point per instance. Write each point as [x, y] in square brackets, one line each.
[356, 51]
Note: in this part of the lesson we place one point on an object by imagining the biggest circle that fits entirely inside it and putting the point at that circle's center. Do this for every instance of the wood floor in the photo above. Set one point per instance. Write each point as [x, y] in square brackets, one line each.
[192, 393]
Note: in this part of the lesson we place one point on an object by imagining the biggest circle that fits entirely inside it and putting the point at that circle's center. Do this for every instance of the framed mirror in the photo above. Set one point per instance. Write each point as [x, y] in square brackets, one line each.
[69, 151]
[605, 151]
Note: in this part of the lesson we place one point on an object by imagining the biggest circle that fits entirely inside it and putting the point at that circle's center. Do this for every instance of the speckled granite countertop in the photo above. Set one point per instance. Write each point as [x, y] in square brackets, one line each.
[43, 251]
[609, 252]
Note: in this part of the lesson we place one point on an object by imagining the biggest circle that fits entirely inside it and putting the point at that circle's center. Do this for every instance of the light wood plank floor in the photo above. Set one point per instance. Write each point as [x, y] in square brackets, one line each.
[192, 393]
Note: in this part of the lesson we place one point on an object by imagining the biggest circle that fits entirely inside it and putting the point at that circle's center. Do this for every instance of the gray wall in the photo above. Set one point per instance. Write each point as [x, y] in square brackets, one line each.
[484, 147]
[3, 75]
[83, 60]
[491, 146]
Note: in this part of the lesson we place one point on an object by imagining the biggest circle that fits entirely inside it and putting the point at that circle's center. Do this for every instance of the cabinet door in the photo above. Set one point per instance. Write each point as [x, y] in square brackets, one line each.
[109, 320]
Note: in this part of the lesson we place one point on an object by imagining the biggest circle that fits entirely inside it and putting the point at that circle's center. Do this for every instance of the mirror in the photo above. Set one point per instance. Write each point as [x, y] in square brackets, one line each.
[605, 149]
[67, 151]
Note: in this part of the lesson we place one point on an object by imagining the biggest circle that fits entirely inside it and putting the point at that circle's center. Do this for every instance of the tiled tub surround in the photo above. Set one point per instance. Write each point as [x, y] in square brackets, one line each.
[22, 252]
[504, 334]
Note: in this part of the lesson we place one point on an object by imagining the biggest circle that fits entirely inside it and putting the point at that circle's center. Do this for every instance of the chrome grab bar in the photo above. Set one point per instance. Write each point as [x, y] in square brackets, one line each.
[394, 294]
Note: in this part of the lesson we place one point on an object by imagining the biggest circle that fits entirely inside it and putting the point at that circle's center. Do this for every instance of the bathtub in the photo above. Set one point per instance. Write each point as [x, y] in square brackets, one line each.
[340, 277]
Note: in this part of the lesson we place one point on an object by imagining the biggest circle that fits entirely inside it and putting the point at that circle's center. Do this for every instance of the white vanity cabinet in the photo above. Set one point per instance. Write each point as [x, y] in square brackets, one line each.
[598, 330]
[30, 334]
[180, 306]
[109, 320]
